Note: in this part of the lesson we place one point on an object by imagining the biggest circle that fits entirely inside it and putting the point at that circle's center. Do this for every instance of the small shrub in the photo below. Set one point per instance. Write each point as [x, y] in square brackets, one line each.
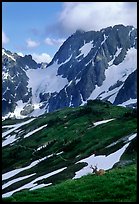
[131, 114]
[70, 145]
[55, 121]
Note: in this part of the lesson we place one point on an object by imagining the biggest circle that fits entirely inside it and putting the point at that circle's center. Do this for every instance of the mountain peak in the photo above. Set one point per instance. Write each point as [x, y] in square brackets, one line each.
[8, 54]
[89, 65]
[79, 31]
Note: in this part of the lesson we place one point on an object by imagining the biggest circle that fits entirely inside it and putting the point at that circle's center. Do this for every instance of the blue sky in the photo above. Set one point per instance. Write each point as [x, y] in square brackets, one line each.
[39, 28]
[29, 21]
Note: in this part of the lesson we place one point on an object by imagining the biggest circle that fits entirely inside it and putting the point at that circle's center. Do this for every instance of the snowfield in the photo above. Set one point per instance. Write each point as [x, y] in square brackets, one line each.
[119, 72]
[45, 81]
[102, 161]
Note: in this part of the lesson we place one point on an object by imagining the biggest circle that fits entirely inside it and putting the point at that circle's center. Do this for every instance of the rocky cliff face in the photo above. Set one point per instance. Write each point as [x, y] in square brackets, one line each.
[129, 89]
[88, 65]
[97, 65]
[14, 80]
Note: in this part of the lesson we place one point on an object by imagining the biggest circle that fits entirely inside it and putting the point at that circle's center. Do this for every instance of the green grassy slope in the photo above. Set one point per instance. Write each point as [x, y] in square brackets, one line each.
[117, 185]
[72, 132]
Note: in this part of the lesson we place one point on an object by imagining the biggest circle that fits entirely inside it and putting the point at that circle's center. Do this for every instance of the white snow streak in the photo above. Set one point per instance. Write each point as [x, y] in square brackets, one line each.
[16, 180]
[67, 60]
[105, 38]
[125, 139]
[5, 75]
[59, 153]
[16, 171]
[36, 130]
[32, 184]
[116, 55]
[130, 101]
[102, 122]
[132, 137]
[83, 102]
[113, 93]
[77, 80]
[9, 56]
[9, 139]
[40, 186]
[16, 126]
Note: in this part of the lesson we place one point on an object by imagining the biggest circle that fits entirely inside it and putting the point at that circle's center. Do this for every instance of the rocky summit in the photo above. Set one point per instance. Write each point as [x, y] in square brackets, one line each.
[89, 65]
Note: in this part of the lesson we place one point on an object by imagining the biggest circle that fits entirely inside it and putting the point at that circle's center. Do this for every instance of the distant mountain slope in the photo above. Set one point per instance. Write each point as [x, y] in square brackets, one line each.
[89, 65]
[15, 80]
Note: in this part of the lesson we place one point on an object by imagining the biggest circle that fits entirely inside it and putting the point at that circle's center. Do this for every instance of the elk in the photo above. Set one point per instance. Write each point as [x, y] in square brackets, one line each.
[97, 172]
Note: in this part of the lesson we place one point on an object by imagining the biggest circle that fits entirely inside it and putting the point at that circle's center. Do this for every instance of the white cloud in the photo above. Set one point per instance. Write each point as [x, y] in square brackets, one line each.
[32, 43]
[52, 41]
[43, 57]
[5, 39]
[96, 15]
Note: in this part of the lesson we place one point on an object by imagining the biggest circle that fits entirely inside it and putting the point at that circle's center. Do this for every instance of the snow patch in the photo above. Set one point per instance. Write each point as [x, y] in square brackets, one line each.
[128, 102]
[34, 131]
[59, 153]
[16, 126]
[116, 55]
[9, 56]
[112, 94]
[16, 171]
[85, 49]
[131, 31]
[43, 146]
[102, 122]
[70, 104]
[105, 38]
[40, 186]
[102, 161]
[83, 102]
[125, 139]
[16, 180]
[10, 139]
[132, 137]
[37, 111]
[67, 60]
[77, 80]
[17, 112]
[70, 83]
[32, 184]
[90, 62]
[5, 75]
